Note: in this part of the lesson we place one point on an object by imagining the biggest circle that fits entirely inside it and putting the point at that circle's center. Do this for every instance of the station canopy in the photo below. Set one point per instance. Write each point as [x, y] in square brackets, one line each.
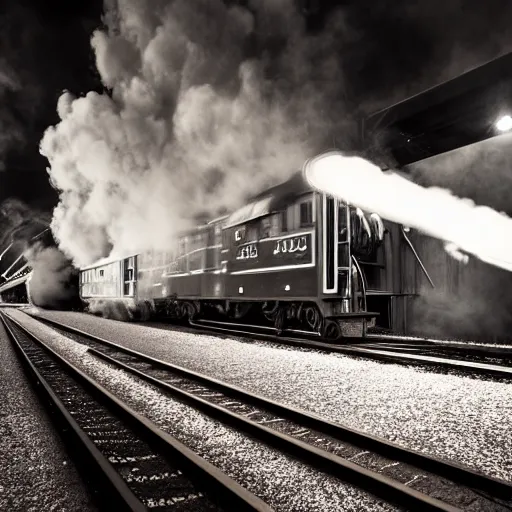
[448, 116]
[14, 282]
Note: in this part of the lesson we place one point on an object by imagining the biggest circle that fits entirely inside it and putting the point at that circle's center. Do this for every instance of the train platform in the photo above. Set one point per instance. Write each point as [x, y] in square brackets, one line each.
[37, 475]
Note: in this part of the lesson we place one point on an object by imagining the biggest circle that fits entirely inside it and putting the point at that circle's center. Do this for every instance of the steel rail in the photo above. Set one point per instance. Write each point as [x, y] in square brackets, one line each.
[448, 348]
[387, 355]
[111, 486]
[220, 487]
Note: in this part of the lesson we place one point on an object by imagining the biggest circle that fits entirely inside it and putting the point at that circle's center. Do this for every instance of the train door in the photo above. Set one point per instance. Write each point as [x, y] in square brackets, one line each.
[329, 245]
[336, 254]
[344, 256]
[129, 276]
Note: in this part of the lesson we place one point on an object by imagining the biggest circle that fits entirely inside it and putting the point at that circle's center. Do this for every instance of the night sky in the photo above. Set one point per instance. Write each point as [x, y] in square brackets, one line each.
[391, 49]
[44, 49]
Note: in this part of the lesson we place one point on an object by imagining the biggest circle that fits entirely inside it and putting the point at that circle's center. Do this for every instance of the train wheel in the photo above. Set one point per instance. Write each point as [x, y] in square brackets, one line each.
[270, 310]
[332, 330]
[312, 317]
[181, 311]
[191, 311]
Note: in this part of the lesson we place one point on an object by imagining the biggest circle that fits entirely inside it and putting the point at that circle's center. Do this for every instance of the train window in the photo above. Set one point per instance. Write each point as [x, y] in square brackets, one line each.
[197, 242]
[181, 247]
[225, 238]
[271, 226]
[252, 231]
[284, 221]
[306, 213]
[265, 227]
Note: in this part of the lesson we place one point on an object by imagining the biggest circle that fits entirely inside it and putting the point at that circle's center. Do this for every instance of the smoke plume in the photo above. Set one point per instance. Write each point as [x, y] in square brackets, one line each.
[53, 283]
[206, 104]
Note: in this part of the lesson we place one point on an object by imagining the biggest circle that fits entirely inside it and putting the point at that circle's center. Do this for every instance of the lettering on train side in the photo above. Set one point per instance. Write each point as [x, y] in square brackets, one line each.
[291, 245]
[247, 252]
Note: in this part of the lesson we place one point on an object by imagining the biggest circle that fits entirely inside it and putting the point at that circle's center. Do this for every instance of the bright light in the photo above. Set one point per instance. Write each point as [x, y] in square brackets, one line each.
[504, 123]
[467, 228]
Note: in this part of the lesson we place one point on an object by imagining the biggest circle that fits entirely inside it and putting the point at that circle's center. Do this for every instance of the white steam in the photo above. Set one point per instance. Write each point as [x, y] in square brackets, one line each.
[477, 230]
[207, 105]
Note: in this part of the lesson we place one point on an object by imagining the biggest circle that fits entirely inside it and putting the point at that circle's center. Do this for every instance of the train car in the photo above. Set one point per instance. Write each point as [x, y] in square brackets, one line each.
[292, 258]
[109, 287]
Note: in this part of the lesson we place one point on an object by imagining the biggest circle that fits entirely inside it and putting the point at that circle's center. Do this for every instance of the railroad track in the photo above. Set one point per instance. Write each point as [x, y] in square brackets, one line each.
[473, 360]
[132, 464]
[462, 352]
[487, 361]
[396, 474]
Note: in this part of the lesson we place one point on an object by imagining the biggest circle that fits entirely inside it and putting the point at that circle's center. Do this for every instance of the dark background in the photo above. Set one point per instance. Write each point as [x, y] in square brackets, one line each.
[390, 49]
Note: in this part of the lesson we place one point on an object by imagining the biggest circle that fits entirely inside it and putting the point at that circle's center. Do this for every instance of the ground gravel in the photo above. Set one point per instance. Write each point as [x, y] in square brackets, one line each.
[36, 475]
[460, 418]
[284, 483]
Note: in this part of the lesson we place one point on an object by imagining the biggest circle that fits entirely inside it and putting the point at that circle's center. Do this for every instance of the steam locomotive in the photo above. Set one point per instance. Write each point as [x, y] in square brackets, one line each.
[292, 259]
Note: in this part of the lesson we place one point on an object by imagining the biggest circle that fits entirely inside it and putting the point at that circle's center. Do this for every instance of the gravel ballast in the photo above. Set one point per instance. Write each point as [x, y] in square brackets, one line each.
[460, 418]
[36, 473]
[284, 483]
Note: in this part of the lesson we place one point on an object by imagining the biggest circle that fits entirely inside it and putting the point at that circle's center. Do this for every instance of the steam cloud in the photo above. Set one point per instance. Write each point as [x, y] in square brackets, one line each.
[207, 104]
[51, 284]
[477, 230]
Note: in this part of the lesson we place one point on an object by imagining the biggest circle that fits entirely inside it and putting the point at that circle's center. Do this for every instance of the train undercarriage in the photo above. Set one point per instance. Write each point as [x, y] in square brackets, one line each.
[304, 317]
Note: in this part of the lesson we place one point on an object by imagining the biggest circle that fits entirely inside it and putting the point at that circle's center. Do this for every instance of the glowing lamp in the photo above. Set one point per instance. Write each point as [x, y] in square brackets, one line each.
[504, 123]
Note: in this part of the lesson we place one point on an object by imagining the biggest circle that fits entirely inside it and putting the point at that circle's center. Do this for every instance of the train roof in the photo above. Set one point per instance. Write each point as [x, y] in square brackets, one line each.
[106, 261]
[271, 200]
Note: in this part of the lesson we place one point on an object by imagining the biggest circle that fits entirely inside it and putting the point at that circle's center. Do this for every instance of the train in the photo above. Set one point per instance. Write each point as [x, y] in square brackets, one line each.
[291, 259]
[294, 259]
